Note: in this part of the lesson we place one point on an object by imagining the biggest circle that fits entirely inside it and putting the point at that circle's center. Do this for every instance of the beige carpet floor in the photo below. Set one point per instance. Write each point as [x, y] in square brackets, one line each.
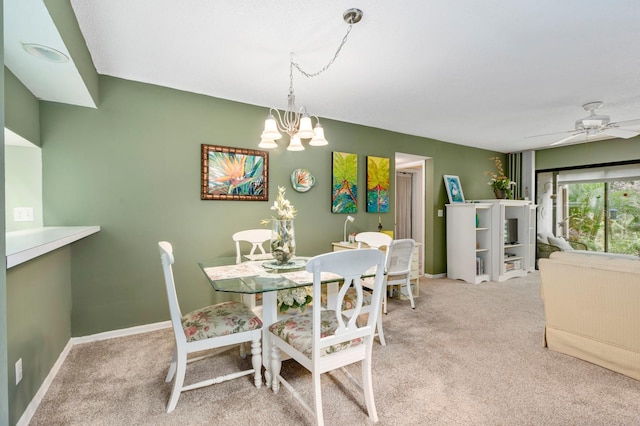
[468, 355]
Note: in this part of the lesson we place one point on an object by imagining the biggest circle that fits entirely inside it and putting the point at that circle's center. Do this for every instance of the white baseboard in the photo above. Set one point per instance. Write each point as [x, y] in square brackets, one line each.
[39, 396]
[435, 275]
[121, 333]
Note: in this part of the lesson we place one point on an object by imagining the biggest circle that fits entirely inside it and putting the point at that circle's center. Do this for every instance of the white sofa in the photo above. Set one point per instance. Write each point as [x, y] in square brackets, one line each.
[592, 308]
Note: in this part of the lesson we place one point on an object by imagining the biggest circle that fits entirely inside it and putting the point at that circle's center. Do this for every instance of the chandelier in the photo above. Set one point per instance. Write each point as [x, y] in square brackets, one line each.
[296, 122]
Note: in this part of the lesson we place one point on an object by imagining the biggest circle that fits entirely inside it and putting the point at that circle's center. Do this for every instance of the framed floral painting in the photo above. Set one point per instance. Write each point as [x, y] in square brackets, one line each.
[234, 174]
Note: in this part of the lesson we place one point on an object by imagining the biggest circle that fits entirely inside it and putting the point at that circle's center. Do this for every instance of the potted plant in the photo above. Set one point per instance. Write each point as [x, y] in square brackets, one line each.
[500, 183]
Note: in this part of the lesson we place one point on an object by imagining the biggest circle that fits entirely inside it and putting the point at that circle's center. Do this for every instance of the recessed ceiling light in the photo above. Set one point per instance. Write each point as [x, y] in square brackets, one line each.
[45, 53]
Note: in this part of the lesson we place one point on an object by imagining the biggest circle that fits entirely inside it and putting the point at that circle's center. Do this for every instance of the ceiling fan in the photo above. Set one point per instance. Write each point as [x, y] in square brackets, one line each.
[596, 125]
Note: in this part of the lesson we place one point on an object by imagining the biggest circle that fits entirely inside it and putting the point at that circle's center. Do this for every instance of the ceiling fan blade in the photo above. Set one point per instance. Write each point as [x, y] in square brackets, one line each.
[549, 134]
[620, 133]
[573, 138]
[626, 123]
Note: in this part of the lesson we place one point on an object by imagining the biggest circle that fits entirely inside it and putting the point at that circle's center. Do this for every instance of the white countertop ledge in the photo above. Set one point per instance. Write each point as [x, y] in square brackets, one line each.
[23, 246]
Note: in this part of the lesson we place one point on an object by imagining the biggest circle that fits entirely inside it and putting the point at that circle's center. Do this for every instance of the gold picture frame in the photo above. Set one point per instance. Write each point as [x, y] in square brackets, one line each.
[234, 174]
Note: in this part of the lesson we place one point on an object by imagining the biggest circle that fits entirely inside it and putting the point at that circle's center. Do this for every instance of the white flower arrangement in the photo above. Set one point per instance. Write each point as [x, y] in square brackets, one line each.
[283, 207]
[294, 298]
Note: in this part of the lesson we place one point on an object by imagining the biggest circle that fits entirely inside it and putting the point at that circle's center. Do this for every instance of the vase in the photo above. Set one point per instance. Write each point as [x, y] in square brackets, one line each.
[283, 241]
[500, 194]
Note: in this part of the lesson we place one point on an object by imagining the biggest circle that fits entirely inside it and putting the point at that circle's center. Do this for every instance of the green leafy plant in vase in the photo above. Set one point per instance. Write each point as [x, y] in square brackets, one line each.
[499, 182]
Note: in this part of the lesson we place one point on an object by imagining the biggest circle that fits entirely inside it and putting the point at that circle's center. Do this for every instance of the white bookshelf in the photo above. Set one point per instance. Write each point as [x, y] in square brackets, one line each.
[469, 241]
[513, 258]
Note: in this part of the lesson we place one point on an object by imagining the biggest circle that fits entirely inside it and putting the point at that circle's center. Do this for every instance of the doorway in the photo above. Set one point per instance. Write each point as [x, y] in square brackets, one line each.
[410, 200]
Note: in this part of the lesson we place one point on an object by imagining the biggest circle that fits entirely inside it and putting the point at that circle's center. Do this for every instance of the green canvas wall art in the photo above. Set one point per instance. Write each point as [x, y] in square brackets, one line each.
[344, 189]
[377, 185]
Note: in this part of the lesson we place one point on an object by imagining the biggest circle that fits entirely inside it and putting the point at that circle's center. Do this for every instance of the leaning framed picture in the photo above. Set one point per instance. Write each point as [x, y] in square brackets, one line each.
[234, 174]
[454, 189]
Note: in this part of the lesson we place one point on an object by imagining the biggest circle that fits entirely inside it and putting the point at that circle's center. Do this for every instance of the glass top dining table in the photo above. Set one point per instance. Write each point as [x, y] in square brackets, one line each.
[260, 274]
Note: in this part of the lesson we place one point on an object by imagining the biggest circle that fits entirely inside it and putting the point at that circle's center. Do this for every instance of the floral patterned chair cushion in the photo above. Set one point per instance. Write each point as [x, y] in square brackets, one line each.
[297, 332]
[349, 301]
[219, 320]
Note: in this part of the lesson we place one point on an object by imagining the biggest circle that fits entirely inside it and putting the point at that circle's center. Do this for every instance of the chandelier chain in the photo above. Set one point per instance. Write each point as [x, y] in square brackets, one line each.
[326, 67]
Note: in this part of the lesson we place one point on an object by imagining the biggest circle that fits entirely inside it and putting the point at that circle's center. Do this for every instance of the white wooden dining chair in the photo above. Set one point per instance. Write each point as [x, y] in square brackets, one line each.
[373, 239]
[380, 241]
[399, 257]
[257, 238]
[350, 299]
[325, 340]
[211, 327]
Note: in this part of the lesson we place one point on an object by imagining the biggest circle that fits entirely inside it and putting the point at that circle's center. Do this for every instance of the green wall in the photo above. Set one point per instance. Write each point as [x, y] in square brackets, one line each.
[21, 110]
[133, 167]
[23, 185]
[39, 315]
[608, 151]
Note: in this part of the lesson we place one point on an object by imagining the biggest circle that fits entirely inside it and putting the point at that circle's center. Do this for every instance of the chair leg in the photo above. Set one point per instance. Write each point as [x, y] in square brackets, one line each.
[172, 366]
[367, 388]
[256, 361]
[413, 305]
[384, 301]
[276, 364]
[243, 351]
[383, 342]
[181, 363]
[317, 397]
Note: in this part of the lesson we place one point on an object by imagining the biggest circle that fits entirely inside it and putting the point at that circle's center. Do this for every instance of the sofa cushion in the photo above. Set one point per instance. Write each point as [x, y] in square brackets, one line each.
[543, 237]
[560, 242]
[591, 259]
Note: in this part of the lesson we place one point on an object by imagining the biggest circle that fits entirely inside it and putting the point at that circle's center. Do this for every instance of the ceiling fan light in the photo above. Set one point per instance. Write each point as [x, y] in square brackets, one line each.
[295, 144]
[306, 131]
[318, 139]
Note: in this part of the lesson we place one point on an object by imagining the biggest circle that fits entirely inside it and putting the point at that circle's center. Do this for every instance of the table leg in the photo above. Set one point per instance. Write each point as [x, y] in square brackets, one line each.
[332, 295]
[269, 316]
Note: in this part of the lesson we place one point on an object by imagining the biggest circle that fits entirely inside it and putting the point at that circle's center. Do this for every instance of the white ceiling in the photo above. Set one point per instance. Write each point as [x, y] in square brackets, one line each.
[478, 73]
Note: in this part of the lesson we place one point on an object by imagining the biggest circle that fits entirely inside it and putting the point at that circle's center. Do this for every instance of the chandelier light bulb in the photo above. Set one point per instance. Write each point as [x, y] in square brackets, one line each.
[318, 139]
[295, 144]
[270, 129]
[306, 131]
[267, 144]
